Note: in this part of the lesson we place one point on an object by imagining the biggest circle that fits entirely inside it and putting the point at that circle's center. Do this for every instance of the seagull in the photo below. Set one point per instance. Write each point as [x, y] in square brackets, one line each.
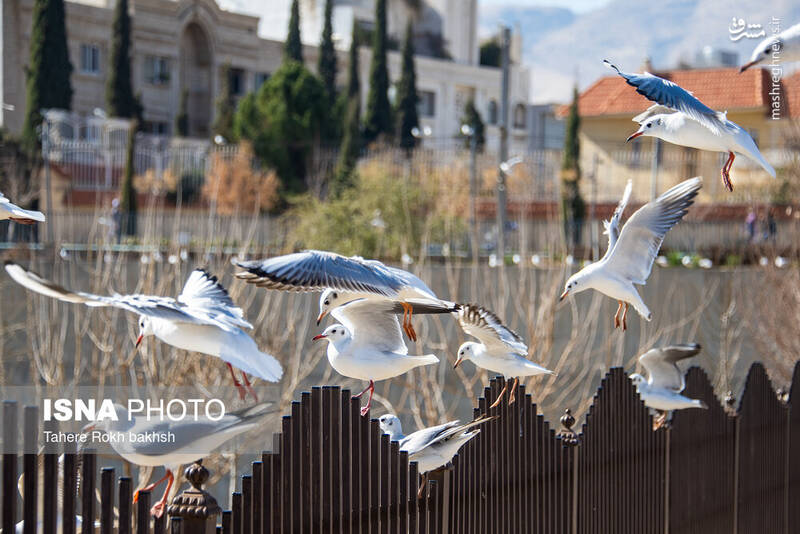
[152, 442]
[348, 279]
[500, 350]
[17, 214]
[681, 119]
[784, 46]
[661, 391]
[431, 447]
[631, 251]
[202, 319]
[368, 344]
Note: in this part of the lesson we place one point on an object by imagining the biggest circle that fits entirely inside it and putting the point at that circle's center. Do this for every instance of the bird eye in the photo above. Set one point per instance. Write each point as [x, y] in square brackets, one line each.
[327, 303]
[649, 124]
[333, 331]
[334, 296]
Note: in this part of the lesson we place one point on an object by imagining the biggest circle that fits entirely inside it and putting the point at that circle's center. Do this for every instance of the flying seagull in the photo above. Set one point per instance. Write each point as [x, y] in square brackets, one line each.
[431, 447]
[783, 47]
[631, 251]
[679, 118]
[661, 391]
[346, 279]
[499, 349]
[17, 214]
[203, 319]
[368, 345]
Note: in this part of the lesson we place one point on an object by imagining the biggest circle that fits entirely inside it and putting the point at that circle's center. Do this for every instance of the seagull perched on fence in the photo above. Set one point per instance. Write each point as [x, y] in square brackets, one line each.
[631, 252]
[431, 447]
[17, 214]
[152, 442]
[784, 47]
[681, 119]
[368, 345]
[203, 319]
[661, 391]
[343, 279]
[499, 349]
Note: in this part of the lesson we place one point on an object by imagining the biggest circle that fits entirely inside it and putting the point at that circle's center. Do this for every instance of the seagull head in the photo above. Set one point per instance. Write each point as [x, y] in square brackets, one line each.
[575, 284]
[465, 352]
[145, 329]
[390, 424]
[327, 301]
[651, 127]
[637, 379]
[336, 333]
[762, 52]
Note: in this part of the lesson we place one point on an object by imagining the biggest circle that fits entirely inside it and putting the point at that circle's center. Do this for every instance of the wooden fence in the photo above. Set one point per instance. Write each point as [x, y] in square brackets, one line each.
[727, 469]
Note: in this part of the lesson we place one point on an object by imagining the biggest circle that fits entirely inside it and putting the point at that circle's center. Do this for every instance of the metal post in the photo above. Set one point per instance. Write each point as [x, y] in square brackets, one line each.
[501, 176]
[473, 193]
[47, 184]
[654, 168]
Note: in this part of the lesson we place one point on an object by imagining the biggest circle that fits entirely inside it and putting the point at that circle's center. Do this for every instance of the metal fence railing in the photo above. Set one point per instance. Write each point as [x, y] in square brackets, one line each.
[720, 470]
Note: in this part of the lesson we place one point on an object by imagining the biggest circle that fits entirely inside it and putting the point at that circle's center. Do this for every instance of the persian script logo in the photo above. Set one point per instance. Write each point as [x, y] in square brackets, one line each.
[738, 29]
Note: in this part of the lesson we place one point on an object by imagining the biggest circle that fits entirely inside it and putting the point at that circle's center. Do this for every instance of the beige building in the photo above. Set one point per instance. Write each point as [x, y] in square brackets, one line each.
[183, 45]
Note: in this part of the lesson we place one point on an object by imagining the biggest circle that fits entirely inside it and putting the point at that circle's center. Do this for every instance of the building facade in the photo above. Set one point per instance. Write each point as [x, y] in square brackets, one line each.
[184, 45]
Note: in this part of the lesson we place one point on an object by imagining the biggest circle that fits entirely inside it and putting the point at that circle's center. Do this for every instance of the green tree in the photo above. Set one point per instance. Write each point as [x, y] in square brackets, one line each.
[182, 118]
[326, 66]
[343, 176]
[573, 208]
[491, 53]
[223, 121]
[127, 203]
[407, 118]
[48, 82]
[293, 50]
[472, 117]
[120, 100]
[378, 118]
[283, 121]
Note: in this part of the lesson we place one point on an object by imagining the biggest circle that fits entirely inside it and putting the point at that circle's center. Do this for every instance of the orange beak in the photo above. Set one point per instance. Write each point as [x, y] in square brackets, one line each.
[458, 362]
[747, 66]
[321, 316]
[633, 136]
[318, 337]
[139, 340]
[563, 295]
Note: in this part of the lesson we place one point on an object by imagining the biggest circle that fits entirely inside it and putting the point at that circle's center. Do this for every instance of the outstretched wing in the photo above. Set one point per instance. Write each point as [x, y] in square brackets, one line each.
[15, 211]
[373, 324]
[484, 325]
[641, 237]
[673, 96]
[204, 294]
[661, 365]
[420, 439]
[655, 109]
[612, 226]
[316, 270]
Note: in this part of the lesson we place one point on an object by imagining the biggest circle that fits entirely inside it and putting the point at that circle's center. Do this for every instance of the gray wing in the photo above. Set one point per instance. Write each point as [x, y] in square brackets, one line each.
[373, 324]
[315, 270]
[662, 368]
[612, 226]
[655, 109]
[641, 237]
[205, 296]
[484, 325]
[673, 96]
[420, 439]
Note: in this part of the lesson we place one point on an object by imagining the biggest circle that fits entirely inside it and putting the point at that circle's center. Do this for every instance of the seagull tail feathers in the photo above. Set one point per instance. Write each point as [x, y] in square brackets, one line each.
[701, 404]
[268, 367]
[425, 359]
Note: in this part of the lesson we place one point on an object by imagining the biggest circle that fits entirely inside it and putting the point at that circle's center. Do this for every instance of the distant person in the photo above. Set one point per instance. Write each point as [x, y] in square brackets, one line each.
[750, 224]
[771, 226]
[115, 228]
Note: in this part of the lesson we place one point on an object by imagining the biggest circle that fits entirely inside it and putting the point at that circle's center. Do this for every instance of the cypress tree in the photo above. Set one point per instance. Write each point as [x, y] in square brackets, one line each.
[128, 193]
[48, 83]
[351, 140]
[379, 113]
[120, 99]
[407, 94]
[293, 50]
[473, 118]
[223, 121]
[572, 206]
[326, 66]
[182, 118]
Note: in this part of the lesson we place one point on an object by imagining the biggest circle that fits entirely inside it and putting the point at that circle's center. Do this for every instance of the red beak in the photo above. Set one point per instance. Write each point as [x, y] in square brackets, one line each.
[746, 66]
[139, 340]
[318, 337]
[634, 136]
[563, 295]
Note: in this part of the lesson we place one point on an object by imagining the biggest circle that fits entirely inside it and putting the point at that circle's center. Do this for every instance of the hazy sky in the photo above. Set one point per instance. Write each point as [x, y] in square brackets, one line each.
[579, 6]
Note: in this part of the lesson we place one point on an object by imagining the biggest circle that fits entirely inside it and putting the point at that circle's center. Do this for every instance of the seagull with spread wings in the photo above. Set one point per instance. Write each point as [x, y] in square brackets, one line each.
[431, 447]
[499, 349]
[368, 344]
[632, 250]
[680, 118]
[17, 214]
[662, 389]
[345, 279]
[203, 319]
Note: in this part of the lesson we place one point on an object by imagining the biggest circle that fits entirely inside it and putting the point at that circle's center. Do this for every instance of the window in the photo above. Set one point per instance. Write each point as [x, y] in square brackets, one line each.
[90, 59]
[156, 70]
[426, 107]
[519, 116]
[259, 79]
[156, 127]
[236, 80]
[492, 112]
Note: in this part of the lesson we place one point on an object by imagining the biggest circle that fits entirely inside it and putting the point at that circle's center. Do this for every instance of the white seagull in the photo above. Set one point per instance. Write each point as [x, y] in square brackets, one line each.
[500, 349]
[347, 279]
[681, 119]
[152, 442]
[203, 319]
[431, 447]
[368, 345]
[661, 391]
[780, 48]
[17, 214]
[631, 252]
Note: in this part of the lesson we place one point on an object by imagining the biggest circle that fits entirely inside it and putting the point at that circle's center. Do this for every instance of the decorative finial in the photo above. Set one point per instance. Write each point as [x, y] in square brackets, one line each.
[567, 435]
[195, 502]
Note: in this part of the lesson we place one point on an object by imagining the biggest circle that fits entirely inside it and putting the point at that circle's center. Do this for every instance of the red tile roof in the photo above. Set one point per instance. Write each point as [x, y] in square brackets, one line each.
[791, 86]
[722, 89]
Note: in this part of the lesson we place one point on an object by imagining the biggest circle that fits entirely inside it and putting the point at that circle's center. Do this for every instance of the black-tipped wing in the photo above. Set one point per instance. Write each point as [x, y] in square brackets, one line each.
[484, 325]
[315, 270]
[661, 365]
[205, 296]
[612, 226]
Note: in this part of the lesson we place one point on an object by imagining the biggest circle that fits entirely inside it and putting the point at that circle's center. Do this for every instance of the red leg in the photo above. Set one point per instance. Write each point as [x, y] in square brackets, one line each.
[512, 396]
[616, 315]
[496, 403]
[365, 390]
[248, 386]
[726, 178]
[625, 318]
[158, 508]
[371, 389]
[239, 388]
[421, 490]
[150, 487]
